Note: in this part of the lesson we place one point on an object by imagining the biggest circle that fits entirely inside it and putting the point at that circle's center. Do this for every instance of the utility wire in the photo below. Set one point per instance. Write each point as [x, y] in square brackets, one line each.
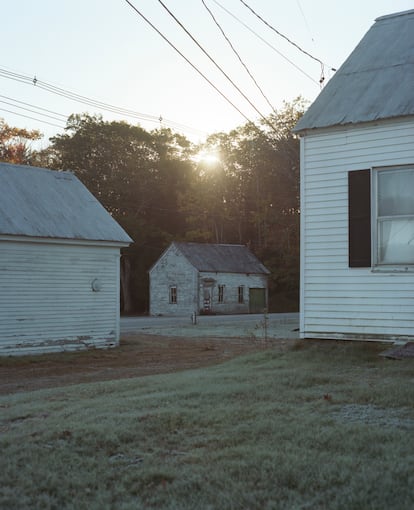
[264, 41]
[67, 94]
[237, 55]
[212, 60]
[289, 40]
[280, 33]
[37, 107]
[30, 110]
[188, 61]
[32, 118]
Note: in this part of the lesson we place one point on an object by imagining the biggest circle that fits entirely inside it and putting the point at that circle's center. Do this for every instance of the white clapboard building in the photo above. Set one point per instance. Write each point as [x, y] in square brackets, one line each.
[357, 193]
[59, 264]
[207, 278]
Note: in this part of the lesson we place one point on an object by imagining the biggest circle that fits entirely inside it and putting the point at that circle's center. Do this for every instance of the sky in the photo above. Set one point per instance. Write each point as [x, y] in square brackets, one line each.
[105, 51]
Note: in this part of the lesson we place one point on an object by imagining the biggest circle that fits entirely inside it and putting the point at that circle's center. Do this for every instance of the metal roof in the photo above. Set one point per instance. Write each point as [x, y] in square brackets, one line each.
[221, 258]
[37, 202]
[375, 82]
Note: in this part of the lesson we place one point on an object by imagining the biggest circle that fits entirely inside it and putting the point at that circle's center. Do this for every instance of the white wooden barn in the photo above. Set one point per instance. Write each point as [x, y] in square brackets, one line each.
[59, 264]
[207, 278]
[357, 193]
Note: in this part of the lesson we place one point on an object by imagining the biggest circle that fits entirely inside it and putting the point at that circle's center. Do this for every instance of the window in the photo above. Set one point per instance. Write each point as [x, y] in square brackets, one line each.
[173, 295]
[241, 294]
[221, 293]
[381, 217]
[393, 194]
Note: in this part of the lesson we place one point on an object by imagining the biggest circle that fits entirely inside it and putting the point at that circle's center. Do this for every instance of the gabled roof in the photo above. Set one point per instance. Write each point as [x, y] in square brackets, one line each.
[221, 258]
[37, 202]
[375, 82]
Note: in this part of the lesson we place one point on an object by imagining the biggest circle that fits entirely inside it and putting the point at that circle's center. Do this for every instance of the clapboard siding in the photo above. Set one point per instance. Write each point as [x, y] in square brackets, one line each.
[187, 266]
[173, 269]
[47, 302]
[338, 301]
[232, 282]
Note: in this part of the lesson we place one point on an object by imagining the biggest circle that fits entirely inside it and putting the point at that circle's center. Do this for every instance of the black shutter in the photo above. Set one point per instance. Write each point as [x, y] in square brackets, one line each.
[359, 204]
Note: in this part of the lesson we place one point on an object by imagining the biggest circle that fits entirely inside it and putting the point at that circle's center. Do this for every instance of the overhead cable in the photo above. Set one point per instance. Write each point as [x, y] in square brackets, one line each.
[213, 61]
[266, 42]
[188, 61]
[282, 35]
[237, 55]
[67, 94]
[32, 118]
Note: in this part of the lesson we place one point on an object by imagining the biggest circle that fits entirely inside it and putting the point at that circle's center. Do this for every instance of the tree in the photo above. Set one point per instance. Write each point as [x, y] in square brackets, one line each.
[14, 143]
[252, 195]
[136, 175]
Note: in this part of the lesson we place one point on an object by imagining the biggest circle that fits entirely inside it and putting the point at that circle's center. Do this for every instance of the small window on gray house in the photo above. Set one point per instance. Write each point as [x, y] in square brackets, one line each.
[241, 294]
[221, 293]
[173, 295]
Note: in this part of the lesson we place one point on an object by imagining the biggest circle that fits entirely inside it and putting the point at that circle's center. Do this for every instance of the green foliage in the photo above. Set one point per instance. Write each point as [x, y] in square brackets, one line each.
[325, 425]
[159, 190]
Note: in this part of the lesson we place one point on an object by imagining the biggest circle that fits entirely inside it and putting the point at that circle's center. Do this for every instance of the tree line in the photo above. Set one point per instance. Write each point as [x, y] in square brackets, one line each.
[238, 187]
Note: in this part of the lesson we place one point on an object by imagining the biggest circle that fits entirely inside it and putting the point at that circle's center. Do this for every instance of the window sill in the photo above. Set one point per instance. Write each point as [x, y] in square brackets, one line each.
[394, 269]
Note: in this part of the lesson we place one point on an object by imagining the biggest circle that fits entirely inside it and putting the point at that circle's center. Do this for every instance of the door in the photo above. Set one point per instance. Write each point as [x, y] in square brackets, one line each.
[257, 300]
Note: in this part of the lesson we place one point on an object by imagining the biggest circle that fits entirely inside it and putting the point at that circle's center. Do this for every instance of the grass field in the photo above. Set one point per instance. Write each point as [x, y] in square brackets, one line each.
[323, 426]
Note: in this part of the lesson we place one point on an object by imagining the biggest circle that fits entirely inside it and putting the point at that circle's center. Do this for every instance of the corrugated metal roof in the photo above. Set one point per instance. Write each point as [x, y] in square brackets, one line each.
[375, 82]
[221, 258]
[37, 202]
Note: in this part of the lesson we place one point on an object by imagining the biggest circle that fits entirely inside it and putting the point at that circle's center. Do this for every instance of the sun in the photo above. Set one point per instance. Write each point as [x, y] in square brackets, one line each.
[210, 159]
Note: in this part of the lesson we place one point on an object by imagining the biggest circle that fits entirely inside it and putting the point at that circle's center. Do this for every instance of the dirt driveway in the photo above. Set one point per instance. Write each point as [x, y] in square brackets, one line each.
[151, 346]
[137, 356]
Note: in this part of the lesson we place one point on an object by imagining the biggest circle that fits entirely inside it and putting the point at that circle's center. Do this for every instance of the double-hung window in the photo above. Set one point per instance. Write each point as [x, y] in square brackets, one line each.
[173, 295]
[393, 197]
[241, 294]
[381, 218]
[221, 293]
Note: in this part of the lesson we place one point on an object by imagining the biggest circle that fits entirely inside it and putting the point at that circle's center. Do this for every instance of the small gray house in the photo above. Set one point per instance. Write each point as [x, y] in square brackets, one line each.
[59, 264]
[207, 278]
[357, 193]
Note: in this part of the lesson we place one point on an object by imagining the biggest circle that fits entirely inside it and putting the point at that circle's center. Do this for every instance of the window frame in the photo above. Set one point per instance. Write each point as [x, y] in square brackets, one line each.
[240, 294]
[376, 219]
[173, 295]
[220, 296]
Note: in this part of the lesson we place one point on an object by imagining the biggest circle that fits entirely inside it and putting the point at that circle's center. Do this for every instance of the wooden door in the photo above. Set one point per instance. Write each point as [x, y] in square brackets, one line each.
[257, 300]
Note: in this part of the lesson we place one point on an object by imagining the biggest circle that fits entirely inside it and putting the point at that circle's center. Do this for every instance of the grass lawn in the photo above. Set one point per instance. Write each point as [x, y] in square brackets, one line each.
[323, 426]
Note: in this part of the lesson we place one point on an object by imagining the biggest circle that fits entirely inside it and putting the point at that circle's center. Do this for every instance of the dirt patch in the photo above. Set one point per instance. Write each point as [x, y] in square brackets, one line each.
[137, 356]
[400, 352]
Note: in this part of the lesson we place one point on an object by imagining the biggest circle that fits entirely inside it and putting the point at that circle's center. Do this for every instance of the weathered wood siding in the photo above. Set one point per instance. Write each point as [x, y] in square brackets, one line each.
[231, 282]
[338, 301]
[46, 299]
[172, 269]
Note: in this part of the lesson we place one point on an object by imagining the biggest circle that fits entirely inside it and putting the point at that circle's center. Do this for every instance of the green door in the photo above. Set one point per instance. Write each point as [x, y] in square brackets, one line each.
[257, 300]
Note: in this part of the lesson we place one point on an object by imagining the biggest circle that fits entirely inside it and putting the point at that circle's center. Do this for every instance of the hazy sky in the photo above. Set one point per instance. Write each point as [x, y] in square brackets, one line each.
[104, 50]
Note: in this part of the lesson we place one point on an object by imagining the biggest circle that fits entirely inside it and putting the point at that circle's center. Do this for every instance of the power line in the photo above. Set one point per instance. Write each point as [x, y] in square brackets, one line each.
[264, 41]
[237, 54]
[32, 118]
[287, 39]
[188, 61]
[30, 110]
[67, 94]
[211, 59]
[280, 33]
[37, 107]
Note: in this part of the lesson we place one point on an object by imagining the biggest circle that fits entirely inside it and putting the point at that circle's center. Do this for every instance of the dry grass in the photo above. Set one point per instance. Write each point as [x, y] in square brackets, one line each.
[323, 426]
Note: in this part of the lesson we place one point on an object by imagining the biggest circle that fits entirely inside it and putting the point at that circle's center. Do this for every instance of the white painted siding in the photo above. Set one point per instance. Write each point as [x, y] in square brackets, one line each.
[338, 301]
[172, 269]
[46, 299]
